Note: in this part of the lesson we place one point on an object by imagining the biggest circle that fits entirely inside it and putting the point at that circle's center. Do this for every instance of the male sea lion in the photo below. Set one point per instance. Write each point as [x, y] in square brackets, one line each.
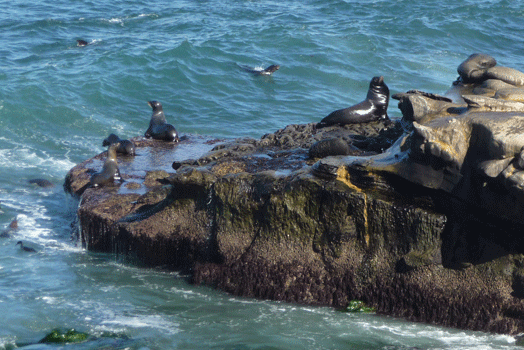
[474, 68]
[373, 108]
[110, 171]
[259, 71]
[126, 146]
[158, 127]
[24, 248]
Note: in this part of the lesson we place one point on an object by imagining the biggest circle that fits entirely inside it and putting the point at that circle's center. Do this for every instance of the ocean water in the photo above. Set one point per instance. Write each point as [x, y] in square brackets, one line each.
[59, 101]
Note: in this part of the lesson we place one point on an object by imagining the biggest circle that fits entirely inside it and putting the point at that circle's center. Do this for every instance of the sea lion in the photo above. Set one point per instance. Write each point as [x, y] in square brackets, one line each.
[81, 43]
[24, 248]
[158, 127]
[259, 71]
[13, 226]
[373, 108]
[474, 68]
[126, 146]
[41, 182]
[329, 147]
[110, 171]
[506, 74]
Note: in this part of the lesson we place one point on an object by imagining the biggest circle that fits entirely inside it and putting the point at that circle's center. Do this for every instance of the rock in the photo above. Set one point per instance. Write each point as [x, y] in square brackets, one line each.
[422, 108]
[61, 337]
[416, 259]
[415, 210]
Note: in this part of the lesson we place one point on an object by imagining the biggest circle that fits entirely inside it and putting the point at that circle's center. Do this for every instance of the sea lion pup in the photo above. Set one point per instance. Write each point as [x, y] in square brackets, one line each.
[268, 71]
[110, 171]
[474, 68]
[329, 147]
[13, 226]
[373, 108]
[81, 43]
[158, 127]
[24, 248]
[126, 146]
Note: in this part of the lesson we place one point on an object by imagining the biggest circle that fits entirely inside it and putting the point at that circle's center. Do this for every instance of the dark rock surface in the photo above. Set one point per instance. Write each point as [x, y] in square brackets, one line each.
[420, 219]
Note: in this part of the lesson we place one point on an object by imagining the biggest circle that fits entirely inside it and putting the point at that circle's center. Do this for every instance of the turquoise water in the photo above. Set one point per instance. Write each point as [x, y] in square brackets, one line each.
[59, 101]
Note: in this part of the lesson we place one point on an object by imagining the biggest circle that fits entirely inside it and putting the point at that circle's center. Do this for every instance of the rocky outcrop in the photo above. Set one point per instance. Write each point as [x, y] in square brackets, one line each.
[418, 219]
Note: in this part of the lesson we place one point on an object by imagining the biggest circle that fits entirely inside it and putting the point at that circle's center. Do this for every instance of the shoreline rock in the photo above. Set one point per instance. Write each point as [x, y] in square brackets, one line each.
[420, 220]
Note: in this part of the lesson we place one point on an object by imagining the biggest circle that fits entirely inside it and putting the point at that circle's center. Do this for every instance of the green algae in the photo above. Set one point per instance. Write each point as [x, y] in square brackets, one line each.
[359, 306]
[57, 336]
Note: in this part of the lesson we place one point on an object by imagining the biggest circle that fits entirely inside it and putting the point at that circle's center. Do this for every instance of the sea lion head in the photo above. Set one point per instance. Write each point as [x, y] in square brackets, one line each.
[271, 69]
[157, 106]
[82, 42]
[378, 92]
[111, 151]
[110, 139]
[158, 116]
[474, 68]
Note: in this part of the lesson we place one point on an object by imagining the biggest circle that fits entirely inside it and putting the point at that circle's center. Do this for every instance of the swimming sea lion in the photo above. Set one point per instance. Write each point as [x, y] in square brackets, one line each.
[110, 171]
[374, 107]
[24, 248]
[158, 127]
[41, 182]
[13, 226]
[81, 43]
[126, 146]
[474, 68]
[258, 71]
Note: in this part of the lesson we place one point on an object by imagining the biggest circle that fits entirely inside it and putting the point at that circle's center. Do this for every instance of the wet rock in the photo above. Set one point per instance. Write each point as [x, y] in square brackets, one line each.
[61, 337]
[401, 222]
[416, 259]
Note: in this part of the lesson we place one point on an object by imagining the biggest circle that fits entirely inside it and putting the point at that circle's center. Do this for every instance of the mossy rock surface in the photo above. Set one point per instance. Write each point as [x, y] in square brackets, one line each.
[359, 306]
[58, 336]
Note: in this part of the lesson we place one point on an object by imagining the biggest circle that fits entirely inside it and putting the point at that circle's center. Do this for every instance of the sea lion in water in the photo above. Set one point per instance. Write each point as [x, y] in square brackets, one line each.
[13, 226]
[158, 127]
[81, 42]
[41, 182]
[126, 146]
[24, 248]
[110, 171]
[373, 108]
[474, 68]
[268, 71]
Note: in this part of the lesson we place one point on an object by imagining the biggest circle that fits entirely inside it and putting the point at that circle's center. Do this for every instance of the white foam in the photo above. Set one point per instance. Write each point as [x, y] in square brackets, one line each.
[144, 321]
[116, 20]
